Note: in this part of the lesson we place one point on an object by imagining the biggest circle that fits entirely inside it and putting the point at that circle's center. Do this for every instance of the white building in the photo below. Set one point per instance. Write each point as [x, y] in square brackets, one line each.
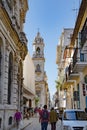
[29, 82]
[64, 41]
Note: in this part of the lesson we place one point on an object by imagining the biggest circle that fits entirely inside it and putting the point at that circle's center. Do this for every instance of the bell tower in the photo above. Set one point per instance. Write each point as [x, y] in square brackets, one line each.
[39, 61]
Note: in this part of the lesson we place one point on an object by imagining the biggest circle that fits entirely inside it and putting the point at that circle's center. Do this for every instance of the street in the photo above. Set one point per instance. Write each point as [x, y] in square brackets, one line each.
[35, 125]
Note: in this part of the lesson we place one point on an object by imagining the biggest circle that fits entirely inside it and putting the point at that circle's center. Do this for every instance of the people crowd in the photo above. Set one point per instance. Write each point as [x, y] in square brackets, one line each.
[45, 117]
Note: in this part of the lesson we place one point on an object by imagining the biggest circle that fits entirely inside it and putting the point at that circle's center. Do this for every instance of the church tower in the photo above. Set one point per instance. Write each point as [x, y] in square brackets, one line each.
[40, 74]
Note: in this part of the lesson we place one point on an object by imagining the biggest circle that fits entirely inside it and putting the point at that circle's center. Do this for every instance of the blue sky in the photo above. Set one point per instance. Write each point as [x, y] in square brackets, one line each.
[50, 16]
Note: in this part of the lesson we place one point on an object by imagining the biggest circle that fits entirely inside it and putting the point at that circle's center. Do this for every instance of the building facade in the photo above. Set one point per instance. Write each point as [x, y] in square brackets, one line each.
[40, 74]
[75, 57]
[13, 49]
[64, 41]
[77, 70]
[29, 83]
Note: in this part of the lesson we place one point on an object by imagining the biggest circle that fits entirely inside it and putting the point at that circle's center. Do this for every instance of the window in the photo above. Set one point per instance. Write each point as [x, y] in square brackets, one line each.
[0, 122]
[84, 34]
[38, 51]
[38, 68]
[85, 79]
[81, 57]
[10, 121]
[10, 75]
[75, 115]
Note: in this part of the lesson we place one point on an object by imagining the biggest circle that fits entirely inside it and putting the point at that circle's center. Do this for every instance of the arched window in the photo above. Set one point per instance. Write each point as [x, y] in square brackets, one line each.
[10, 120]
[10, 75]
[38, 68]
[38, 51]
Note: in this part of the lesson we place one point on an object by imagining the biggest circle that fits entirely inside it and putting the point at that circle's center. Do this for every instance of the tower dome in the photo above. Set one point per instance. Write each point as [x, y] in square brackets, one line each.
[38, 39]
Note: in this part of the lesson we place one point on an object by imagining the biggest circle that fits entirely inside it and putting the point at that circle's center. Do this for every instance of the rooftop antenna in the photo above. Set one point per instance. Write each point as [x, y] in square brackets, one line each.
[75, 10]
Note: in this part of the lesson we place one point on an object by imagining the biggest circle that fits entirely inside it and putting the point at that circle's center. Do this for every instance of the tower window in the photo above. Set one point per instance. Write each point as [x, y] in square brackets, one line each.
[38, 51]
[38, 68]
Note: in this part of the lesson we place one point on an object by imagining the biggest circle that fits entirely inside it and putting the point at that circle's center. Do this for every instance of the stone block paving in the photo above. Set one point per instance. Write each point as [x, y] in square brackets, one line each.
[26, 122]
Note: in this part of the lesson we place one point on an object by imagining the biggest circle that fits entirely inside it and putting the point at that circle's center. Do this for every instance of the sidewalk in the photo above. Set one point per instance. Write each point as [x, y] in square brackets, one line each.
[26, 122]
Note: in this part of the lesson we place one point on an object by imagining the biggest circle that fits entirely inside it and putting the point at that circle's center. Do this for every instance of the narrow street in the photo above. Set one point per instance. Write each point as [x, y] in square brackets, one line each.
[35, 125]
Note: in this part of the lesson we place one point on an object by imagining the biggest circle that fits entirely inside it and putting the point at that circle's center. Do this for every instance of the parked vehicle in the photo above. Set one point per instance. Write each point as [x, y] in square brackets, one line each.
[74, 119]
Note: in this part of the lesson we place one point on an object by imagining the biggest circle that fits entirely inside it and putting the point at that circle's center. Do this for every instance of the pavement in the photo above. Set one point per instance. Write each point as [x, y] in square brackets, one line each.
[26, 122]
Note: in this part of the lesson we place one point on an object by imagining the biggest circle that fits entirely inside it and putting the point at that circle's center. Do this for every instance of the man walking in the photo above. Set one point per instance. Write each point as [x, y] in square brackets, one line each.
[44, 118]
[53, 117]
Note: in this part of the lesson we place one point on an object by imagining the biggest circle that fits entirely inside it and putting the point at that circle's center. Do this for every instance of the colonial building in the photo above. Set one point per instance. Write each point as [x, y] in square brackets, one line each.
[64, 41]
[13, 49]
[40, 74]
[77, 70]
[75, 57]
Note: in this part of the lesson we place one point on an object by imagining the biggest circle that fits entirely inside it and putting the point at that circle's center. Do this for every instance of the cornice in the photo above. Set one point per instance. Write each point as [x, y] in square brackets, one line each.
[38, 59]
[39, 82]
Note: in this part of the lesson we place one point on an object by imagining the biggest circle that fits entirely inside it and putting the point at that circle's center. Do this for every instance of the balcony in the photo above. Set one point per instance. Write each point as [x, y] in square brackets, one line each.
[79, 62]
[69, 74]
[67, 84]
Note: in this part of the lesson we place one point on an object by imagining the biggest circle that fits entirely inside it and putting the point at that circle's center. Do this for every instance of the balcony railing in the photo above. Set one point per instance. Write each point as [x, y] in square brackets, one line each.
[79, 62]
[70, 74]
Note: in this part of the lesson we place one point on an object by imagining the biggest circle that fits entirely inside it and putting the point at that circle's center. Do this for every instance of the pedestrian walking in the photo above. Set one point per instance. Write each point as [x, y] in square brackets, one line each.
[44, 118]
[39, 110]
[53, 118]
[17, 118]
